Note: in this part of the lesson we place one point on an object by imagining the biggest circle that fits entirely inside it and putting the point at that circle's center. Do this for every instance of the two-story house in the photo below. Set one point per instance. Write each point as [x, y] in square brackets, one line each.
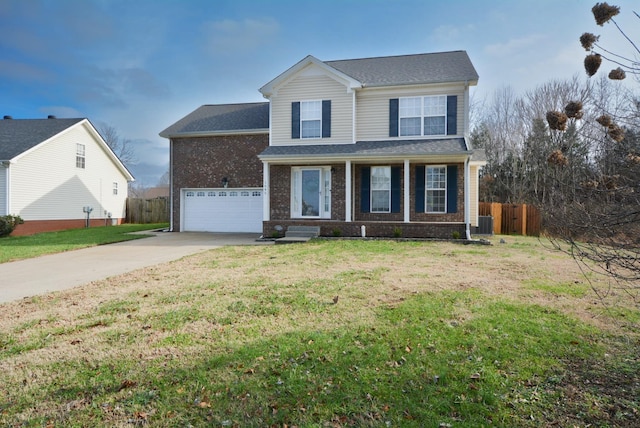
[374, 145]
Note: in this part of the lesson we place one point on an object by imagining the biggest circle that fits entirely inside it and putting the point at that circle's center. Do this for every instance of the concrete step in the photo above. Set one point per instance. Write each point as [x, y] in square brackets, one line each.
[302, 231]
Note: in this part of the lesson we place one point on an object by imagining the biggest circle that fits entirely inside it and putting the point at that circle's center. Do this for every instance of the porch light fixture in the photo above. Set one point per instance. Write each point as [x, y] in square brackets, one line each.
[225, 182]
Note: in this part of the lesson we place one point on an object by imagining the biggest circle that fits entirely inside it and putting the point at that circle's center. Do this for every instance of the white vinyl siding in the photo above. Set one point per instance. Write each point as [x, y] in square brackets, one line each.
[372, 113]
[312, 85]
[47, 185]
[4, 179]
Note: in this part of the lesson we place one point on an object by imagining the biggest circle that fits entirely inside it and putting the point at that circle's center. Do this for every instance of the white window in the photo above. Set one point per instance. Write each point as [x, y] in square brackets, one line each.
[80, 156]
[311, 192]
[380, 189]
[311, 119]
[115, 188]
[436, 189]
[423, 116]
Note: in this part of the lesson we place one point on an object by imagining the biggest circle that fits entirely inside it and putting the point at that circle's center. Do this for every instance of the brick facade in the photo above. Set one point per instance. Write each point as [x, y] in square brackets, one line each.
[200, 162]
[423, 225]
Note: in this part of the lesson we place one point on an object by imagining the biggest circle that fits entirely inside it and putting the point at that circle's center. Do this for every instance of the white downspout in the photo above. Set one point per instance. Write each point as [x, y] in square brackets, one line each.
[266, 215]
[467, 198]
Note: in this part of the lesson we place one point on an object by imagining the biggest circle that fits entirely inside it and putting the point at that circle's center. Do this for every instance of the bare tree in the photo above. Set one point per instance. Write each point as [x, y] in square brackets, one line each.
[164, 180]
[595, 215]
[122, 147]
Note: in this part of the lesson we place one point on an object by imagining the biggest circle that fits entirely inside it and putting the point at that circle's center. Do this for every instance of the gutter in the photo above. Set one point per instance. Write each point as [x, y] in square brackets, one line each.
[216, 133]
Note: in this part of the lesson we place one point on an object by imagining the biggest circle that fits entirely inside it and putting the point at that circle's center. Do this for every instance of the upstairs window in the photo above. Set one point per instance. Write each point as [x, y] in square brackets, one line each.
[311, 119]
[423, 116]
[80, 156]
[115, 188]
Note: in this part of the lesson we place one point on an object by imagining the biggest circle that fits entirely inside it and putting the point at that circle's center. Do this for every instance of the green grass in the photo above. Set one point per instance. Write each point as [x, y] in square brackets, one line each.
[231, 345]
[24, 247]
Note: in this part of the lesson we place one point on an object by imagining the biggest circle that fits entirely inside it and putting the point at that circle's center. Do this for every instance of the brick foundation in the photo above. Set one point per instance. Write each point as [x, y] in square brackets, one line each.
[32, 227]
[277, 228]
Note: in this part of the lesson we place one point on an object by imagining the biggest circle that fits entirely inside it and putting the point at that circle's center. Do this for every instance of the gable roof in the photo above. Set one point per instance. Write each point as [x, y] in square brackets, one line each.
[221, 119]
[19, 135]
[441, 67]
[417, 69]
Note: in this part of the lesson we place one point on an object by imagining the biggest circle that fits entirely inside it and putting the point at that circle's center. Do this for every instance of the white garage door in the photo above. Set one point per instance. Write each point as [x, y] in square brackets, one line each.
[222, 210]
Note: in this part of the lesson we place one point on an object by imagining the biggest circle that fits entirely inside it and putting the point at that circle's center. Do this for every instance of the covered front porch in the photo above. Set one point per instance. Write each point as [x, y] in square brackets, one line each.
[336, 188]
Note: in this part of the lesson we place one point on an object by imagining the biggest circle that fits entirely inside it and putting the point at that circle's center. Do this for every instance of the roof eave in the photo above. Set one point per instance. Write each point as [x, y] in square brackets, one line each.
[433, 82]
[364, 157]
[215, 133]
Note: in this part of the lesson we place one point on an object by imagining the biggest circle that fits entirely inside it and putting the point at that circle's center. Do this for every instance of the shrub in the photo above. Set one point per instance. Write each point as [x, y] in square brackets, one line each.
[8, 223]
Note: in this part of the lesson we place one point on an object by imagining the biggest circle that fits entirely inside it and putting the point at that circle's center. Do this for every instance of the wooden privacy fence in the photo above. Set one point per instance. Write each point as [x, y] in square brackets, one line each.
[512, 219]
[143, 211]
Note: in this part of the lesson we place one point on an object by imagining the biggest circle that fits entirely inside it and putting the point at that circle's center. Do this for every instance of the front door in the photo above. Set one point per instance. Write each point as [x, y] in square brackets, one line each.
[311, 192]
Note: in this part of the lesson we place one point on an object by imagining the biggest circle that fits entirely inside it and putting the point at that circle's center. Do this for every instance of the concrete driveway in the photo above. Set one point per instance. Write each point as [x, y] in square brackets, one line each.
[70, 269]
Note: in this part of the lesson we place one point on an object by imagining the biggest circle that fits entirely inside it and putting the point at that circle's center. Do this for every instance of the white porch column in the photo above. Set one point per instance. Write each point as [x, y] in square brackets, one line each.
[407, 192]
[467, 198]
[347, 192]
[266, 203]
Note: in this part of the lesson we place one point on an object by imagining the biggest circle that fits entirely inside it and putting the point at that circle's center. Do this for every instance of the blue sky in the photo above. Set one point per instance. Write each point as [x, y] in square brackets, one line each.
[140, 65]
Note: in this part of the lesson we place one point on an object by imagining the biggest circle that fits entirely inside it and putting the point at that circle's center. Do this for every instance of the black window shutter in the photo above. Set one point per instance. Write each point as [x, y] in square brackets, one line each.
[365, 190]
[394, 114]
[452, 189]
[295, 119]
[452, 114]
[326, 118]
[396, 191]
[420, 177]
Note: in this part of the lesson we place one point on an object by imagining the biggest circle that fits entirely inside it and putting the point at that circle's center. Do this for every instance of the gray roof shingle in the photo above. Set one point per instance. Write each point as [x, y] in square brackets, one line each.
[441, 67]
[19, 135]
[221, 118]
[363, 149]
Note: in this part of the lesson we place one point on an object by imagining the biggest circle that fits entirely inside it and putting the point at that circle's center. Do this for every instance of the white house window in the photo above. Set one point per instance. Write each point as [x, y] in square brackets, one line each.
[80, 156]
[311, 192]
[311, 119]
[380, 189]
[115, 188]
[436, 189]
[423, 115]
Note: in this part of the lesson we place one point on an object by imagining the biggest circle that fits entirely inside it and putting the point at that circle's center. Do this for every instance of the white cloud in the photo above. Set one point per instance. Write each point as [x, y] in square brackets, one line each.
[61, 111]
[231, 36]
[515, 46]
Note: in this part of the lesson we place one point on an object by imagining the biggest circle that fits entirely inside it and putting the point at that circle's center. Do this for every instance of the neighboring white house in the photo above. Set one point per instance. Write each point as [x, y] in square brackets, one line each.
[52, 169]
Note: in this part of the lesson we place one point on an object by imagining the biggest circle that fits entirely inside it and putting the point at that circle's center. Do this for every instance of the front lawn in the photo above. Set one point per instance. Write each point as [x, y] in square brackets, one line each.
[24, 247]
[332, 333]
